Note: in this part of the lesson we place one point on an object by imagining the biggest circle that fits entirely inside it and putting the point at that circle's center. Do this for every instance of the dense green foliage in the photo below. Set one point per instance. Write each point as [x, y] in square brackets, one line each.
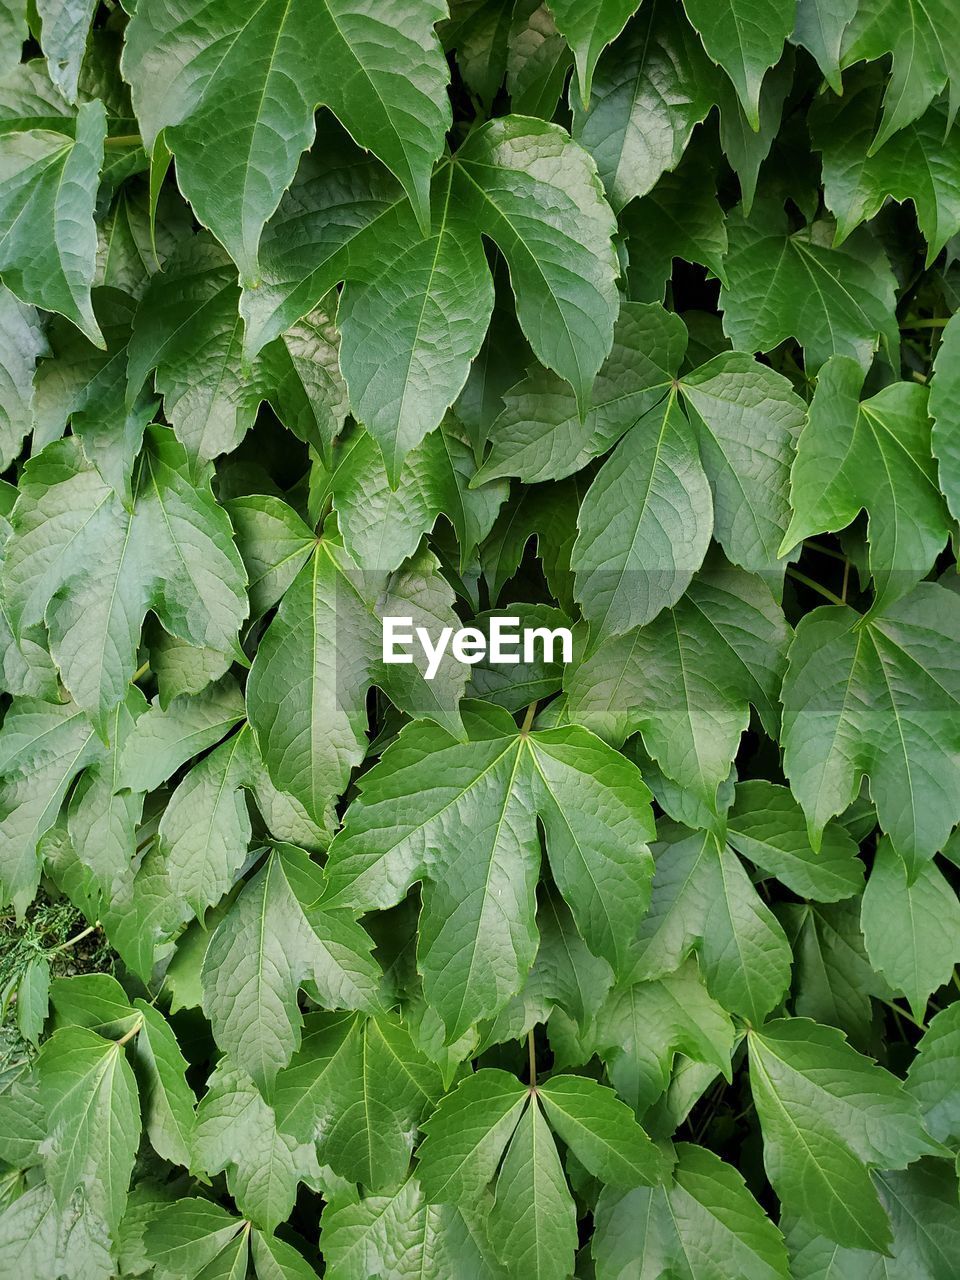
[631, 317]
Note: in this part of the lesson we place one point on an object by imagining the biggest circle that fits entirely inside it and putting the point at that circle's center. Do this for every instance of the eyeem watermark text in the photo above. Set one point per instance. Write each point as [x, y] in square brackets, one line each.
[507, 644]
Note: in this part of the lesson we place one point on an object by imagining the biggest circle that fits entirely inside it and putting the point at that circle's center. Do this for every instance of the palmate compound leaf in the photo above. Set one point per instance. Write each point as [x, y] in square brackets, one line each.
[649, 94]
[523, 184]
[357, 1090]
[911, 929]
[780, 285]
[48, 238]
[686, 680]
[708, 452]
[401, 1235]
[746, 38]
[878, 696]
[93, 1120]
[306, 692]
[90, 568]
[272, 939]
[234, 95]
[829, 1116]
[532, 1222]
[702, 1224]
[876, 456]
[461, 818]
[188, 329]
[190, 1238]
[704, 900]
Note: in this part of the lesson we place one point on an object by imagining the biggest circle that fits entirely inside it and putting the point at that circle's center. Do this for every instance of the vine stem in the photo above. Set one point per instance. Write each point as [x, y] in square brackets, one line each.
[937, 322]
[814, 586]
[532, 1056]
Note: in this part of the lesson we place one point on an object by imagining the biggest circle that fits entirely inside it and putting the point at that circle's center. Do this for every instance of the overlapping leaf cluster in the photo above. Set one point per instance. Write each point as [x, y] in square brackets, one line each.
[628, 317]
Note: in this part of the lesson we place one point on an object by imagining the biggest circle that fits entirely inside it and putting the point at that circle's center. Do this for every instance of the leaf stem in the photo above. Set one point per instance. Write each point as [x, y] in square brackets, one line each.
[937, 322]
[78, 937]
[814, 586]
[532, 1057]
[528, 717]
[901, 1012]
[128, 1035]
[140, 671]
[124, 140]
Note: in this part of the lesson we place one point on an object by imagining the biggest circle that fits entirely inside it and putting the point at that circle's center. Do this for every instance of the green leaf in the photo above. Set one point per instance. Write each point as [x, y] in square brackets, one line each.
[828, 1115]
[358, 1088]
[922, 1204]
[43, 745]
[640, 1028]
[467, 1135]
[32, 991]
[23, 344]
[703, 898]
[686, 680]
[90, 568]
[533, 1222]
[38, 1239]
[631, 567]
[96, 1001]
[306, 696]
[270, 941]
[648, 95]
[588, 28]
[820, 29]
[911, 930]
[64, 29]
[382, 526]
[48, 240]
[876, 697]
[746, 38]
[931, 1078]
[913, 165]
[237, 1131]
[832, 977]
[165, 737]
[703, 1225]
[186, 1237]
[401, 1234]
[247, 86]
[477, 936]
[766, 825]
[506, 172]
[779, 285]
[944, 397]
[918, 35]
[540, 435]
[90, 1097]
[878, 456]
[188, 329]
[166, 1097]
[600, 1130]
